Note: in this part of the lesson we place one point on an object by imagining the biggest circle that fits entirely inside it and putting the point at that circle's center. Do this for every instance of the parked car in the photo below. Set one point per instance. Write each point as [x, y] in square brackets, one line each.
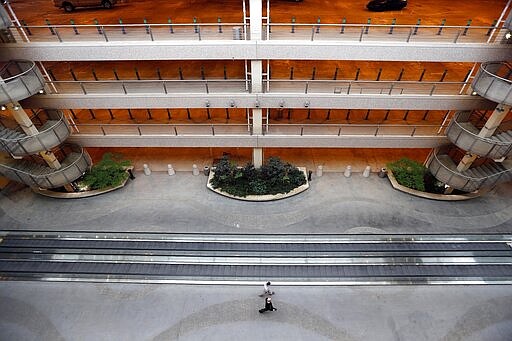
[386, 5]
[70, 5]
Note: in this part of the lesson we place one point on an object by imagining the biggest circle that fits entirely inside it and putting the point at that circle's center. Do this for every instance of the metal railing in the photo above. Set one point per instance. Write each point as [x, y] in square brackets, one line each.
[494, 82]
[276, 31]
[130, 87]
[54, 132]
[465, 136]
[238, 86]
[76, 162]
[445, 170]
[131, 32]
[389, 33]
[328, 130]
[19, 79]
[362, 87]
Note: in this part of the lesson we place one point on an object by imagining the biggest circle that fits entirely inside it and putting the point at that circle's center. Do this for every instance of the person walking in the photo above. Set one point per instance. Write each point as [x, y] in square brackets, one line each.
[266, 289]
[268, 305]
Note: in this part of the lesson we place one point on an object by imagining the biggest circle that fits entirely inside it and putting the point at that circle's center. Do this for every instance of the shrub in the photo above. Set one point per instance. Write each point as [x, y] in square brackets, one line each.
[409, 173]
[274, 177]
[110, 171]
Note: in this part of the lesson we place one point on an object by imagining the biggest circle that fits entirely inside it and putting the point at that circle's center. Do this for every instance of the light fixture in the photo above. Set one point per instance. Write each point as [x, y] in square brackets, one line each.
[474, 93]
[41, 91]
[16, 107]
[281, 104]
[508, 35]
[232, 104]
[257, 104]
[306, 104]
[3, 107]
[207, 104]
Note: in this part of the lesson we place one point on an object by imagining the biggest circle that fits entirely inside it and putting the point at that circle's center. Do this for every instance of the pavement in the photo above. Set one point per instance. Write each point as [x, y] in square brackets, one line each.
[182, 203]
[332, 204]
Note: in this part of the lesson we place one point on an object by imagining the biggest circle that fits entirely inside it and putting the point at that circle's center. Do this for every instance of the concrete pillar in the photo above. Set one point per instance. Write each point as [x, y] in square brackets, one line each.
[256, 76]
[257, 157]
[22, 118]
[495, 120]
[255, 17]
[497, 116]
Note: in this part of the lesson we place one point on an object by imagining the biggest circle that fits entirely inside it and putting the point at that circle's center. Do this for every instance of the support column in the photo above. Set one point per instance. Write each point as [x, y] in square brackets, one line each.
[255, 16]
[19, 114]
[497, 116]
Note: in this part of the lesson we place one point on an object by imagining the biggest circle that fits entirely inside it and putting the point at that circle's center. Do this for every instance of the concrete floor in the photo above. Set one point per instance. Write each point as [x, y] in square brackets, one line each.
[87, 311]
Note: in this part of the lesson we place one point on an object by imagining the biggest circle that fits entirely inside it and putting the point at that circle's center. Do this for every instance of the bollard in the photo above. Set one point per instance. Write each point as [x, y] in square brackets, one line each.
[366, 172]
[348, 171]
[147, 171]
[319, 170]
[383, 173]
[309, 175]
[206, 170]
[195, 170]
[170, 170]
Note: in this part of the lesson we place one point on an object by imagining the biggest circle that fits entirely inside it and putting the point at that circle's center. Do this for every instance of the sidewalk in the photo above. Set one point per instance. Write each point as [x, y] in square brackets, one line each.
[333, 204]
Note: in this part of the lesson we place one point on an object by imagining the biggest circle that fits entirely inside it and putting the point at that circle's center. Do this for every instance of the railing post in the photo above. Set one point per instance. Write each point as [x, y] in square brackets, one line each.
[318, 25]
[392, 26]
[123, 30]
[416, 27]
[293, 24]
[467, 27]
[52, 31]
[97, 26]
[493, 26]
[171, 30]
[367, 28]
[146, 25]
[195, 25]
[343, 22]
[25, 27]
[312, 32]
[219, 22]
[441, 28]
[74, 27]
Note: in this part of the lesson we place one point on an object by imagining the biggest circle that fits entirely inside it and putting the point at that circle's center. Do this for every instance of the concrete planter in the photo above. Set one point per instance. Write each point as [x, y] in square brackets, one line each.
[268, 197]
[78, 195]
[432, 196]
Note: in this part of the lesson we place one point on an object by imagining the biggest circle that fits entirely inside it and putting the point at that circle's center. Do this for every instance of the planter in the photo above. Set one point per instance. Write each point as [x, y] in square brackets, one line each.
[432, 196]
[77, 195]
[267, 197]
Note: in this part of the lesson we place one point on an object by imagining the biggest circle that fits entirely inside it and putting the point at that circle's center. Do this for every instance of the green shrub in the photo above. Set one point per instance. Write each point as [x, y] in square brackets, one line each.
[409, 173]
[274, 177]
[110, 171]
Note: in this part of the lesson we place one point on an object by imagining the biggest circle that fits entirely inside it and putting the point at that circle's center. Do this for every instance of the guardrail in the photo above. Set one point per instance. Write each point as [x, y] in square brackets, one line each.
[50, 136]
[463, 137]
[19, 79]
[342, 87]
[274, 31]
[76, 162]
[377, 32]
[494, 82]
[328, 130]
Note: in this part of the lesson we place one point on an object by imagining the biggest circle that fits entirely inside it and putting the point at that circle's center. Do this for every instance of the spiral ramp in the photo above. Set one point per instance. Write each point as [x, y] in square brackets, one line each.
[33, 148]
[485, 139]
